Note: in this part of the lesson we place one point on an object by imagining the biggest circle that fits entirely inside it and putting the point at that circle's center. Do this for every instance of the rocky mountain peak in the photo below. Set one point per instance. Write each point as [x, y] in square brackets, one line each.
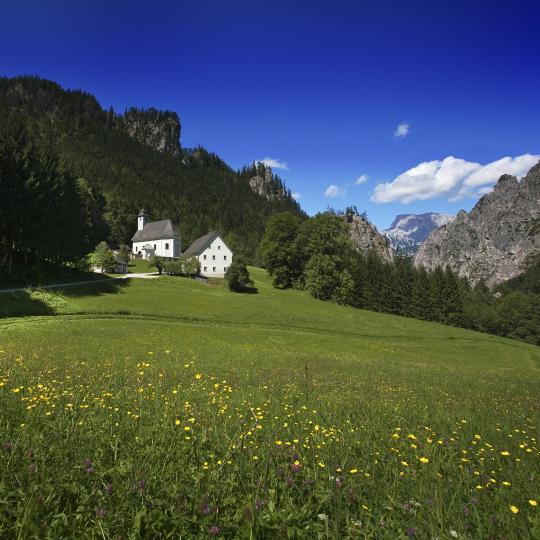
[366, 237]
[496, 240]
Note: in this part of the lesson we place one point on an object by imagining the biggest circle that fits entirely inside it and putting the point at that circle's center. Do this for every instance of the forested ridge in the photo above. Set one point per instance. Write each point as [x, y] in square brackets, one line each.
[100, 159]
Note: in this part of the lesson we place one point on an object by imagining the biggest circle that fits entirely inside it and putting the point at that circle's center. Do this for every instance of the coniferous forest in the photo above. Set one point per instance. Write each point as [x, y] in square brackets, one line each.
[74, 174]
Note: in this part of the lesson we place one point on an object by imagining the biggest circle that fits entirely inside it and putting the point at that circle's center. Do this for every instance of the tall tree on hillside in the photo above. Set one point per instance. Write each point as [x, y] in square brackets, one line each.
[278, 251]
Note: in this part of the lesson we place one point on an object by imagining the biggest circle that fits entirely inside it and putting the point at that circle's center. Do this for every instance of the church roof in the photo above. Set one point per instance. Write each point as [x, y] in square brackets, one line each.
[157, 230]
[199, 245]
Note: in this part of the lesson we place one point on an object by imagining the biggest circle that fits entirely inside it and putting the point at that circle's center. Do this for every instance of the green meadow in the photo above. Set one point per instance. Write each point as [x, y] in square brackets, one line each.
[168, 408]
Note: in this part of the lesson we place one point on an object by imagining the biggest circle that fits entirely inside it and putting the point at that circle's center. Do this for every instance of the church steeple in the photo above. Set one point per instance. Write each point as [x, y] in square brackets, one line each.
[142, 220]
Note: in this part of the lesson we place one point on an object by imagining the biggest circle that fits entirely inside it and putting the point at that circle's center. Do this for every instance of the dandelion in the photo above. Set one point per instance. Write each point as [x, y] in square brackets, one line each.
[532, 502]
[514, 509]
[424, 460]
[198, 376]
[177, 422]
[505, 453]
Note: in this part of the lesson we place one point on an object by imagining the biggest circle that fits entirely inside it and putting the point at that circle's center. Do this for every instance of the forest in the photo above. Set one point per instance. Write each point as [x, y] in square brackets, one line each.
[317, 255]
[74, 174]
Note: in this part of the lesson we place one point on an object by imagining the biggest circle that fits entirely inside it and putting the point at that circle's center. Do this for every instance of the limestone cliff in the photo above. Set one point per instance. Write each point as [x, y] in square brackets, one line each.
[158, 129]
[366, 237]
[496, 240]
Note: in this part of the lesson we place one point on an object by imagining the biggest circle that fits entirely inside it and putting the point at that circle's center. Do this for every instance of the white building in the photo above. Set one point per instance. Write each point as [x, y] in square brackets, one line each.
[213, 254]
[157, 238]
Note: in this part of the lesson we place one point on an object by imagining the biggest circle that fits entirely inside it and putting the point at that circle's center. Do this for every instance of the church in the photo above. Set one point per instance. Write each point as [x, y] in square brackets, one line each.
[158, 238]
[161, 239]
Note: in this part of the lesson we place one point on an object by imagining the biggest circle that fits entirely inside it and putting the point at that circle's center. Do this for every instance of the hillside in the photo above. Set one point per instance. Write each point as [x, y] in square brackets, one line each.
[172, 399]
[122, 162]
[497, 240]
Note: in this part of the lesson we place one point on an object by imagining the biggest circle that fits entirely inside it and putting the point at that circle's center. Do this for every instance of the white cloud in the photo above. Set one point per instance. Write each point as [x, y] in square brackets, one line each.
[402, 130]
[274, 163]
[295, 196]
[361, 179]
[452, 178]
[335, 191]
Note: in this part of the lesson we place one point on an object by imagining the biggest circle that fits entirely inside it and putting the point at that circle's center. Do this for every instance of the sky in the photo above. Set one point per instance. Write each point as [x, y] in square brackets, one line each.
[394, 107]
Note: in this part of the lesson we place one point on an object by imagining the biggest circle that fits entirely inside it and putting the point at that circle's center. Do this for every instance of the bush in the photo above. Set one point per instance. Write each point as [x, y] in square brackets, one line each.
[237, 277]
[103, 258]
[185, 266]
[157, 263]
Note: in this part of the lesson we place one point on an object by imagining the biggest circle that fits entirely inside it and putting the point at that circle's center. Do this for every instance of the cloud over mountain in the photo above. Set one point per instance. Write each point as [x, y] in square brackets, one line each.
[452, 178]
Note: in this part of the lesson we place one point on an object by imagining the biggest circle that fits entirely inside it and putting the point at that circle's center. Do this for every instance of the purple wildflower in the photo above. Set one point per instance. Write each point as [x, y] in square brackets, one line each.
[214, 530]
[259, 504]
[101, 513]
[289, 481]
[141, 486]
[339, 483]
[466, 511]
[411, 532]
[108, 488]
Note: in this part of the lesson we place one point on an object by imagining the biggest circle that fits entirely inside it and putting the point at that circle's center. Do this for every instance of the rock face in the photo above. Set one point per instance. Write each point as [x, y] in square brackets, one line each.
[366, 237]
[408, 231]
[267, 186]
[158, 129]
[495, 241]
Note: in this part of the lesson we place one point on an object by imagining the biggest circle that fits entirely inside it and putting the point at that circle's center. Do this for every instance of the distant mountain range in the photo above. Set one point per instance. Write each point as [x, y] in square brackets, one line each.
[408, 231]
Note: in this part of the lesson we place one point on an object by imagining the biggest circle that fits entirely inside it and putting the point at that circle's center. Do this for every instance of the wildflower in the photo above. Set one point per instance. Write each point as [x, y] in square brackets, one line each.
[505, 453]
[289, 482]
[198, 376]
[177, 422]
[514, 509]
[322, 517]
[453, 534]
[532, 502]
[353, 471]
[214, 530]
[424, 460]
[296, 466]
[339, 483]
[411, 532]
[100, 513]
[505, 483]
[259, 504]
[108, 488]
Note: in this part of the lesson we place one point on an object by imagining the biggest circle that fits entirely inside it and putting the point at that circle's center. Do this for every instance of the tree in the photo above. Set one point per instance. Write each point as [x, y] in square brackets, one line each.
[103, 258]
[237, 277]
[124, 252]
[278, 249]
[322, 277]
[157, 263]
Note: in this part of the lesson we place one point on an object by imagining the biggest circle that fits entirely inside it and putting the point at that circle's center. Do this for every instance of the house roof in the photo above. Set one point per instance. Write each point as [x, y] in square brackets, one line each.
[157, 230]
[199, 245]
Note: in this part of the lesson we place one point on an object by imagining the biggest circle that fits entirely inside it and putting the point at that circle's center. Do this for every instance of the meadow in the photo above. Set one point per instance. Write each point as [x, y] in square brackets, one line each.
[168, 408]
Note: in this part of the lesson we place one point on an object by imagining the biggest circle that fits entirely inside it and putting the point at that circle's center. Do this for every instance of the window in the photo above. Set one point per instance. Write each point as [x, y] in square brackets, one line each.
[224, 257]
[154, 246]
[219, 247]
[213, 269]
[204, 257]
[204, 269]
[166, 245]
[213, 257]
[224, 268]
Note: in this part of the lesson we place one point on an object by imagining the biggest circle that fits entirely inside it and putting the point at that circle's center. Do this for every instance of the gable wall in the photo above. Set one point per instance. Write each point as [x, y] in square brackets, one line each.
[218, 256]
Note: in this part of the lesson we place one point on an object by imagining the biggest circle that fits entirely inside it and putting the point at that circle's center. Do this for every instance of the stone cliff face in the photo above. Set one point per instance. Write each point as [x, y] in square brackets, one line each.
[158, 129]
[496, 240]
[267, 186]
[366, 237]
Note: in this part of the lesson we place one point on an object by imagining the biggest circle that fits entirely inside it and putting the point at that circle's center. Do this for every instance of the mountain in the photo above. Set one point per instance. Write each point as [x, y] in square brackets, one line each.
[366, 237]
[494, 242]
[408, 231]
[123, 162]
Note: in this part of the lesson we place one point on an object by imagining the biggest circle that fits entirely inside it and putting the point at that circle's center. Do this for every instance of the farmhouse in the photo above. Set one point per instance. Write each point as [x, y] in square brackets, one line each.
[213, 254]
[158, 238]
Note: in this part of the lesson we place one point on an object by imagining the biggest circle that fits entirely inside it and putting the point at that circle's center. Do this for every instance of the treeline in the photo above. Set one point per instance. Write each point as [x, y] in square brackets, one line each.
[45, 212]
[318, 256]
[192, 187]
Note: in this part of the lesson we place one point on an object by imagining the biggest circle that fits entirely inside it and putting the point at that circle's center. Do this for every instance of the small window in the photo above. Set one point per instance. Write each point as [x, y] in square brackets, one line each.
[224, 257]
[166, 246]
[154, 246]
[204, 269]
[204, 257]
[224, 268]
[213, 257]
[219, 247]
[213, 269]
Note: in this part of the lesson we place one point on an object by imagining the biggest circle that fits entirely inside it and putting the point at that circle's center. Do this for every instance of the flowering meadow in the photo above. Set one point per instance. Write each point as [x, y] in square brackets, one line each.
[170, 409]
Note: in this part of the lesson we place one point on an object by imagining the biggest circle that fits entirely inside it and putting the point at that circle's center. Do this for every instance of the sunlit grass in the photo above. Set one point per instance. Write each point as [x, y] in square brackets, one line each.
[173, 409]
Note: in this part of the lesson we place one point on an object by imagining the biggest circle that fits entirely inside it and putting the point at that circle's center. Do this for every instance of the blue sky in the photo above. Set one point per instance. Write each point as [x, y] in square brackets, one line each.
[320, 86]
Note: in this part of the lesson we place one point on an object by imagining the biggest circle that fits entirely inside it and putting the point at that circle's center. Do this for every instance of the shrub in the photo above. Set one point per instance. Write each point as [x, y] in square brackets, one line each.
[237, 277]
[103, 258]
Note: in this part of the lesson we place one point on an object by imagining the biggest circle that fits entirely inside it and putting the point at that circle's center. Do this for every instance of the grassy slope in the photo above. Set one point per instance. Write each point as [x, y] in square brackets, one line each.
[375, 371]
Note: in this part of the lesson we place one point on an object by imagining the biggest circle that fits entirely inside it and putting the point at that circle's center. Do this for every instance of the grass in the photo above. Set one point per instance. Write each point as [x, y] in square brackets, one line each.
[170, 408]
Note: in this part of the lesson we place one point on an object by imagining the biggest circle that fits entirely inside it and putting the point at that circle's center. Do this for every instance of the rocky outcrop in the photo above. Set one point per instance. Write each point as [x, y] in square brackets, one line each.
[268, 186]
[408, 231]
[495, 241]
[367, 238]
[158, 129]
